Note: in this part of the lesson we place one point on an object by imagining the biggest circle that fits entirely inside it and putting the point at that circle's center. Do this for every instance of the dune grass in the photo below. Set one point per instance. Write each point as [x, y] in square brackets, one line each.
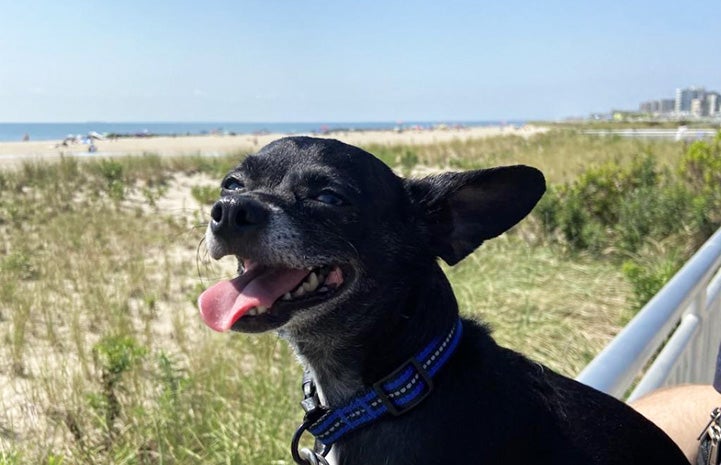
[104, 359]
[560, 154]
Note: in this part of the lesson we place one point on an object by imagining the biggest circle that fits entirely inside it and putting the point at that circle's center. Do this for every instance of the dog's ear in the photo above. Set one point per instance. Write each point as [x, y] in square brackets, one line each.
[461, 210]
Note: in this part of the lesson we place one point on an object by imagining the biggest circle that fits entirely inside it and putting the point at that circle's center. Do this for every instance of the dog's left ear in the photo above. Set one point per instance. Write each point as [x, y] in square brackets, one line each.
[461, 210]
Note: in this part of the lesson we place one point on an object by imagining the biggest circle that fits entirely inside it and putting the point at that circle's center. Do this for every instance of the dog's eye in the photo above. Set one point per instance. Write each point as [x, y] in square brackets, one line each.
[330, 198]
[232, 184]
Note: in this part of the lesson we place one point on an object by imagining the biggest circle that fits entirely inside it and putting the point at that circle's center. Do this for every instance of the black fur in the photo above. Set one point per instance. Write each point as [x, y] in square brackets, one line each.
[490, 405]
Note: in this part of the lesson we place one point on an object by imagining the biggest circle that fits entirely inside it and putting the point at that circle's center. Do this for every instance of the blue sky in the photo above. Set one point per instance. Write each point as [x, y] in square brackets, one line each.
[348, 61]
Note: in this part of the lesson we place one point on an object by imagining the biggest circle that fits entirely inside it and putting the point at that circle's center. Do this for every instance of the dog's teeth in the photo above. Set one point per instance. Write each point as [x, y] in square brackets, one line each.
[253, 311]
[262, 309]
[311, 283]
[299, 292]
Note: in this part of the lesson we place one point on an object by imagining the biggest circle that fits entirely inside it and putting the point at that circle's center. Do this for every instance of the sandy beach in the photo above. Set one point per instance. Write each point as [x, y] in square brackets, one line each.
[14, 153]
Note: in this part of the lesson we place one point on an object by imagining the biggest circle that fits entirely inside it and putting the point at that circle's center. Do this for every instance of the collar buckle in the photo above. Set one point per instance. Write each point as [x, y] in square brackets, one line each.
[400, 399]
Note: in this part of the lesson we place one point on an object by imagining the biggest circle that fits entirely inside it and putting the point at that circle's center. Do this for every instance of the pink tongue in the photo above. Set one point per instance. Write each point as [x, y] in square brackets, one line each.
[224, 303]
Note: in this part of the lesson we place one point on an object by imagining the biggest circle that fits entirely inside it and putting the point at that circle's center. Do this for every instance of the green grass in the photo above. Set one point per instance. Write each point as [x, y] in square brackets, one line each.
[554, 309]
[560, 154]
[106, 361]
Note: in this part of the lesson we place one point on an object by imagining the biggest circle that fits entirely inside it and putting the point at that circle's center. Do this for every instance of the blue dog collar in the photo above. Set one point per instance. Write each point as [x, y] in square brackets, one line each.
[395, 394]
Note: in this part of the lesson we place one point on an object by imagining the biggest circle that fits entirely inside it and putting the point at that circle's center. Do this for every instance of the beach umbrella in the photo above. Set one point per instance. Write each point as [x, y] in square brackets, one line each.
[95, 136]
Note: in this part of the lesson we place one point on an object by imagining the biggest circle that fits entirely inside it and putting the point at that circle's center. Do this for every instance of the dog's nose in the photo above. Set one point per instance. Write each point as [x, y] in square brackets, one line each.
[231, 216]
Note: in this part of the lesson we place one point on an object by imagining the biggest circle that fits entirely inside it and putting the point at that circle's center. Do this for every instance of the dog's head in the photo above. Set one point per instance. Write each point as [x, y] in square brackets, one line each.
[320, 227]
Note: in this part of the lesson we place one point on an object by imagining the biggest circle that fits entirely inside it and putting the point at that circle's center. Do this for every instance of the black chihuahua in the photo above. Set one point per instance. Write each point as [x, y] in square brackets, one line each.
[339, 255]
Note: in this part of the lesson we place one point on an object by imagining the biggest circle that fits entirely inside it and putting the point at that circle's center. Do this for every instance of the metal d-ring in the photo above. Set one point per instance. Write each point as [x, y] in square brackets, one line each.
[305, 456]
[311, 457]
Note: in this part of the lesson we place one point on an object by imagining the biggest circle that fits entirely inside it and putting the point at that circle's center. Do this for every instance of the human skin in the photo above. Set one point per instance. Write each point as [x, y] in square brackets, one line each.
[682, 412]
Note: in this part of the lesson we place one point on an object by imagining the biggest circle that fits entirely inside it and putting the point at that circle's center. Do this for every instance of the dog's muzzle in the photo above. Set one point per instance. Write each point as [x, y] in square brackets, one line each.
[235, 223]
[235, 216]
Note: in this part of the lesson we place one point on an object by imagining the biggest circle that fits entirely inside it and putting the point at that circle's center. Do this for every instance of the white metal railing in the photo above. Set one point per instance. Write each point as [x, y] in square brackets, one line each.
[681, 324]
[682, 133]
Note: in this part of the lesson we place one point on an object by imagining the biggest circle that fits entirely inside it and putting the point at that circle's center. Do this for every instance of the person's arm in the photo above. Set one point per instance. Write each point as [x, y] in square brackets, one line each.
[683, 411]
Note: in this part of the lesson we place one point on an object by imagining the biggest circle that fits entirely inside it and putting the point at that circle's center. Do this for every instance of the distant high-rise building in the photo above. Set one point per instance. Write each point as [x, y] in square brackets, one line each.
[666, 105]
[685, 97]
[694, 102]
[713, 102]
[647, 107]
[697, 107]
[657, 106]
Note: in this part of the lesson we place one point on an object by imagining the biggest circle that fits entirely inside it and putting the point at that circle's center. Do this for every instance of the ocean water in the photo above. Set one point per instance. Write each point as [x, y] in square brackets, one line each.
[11, 132]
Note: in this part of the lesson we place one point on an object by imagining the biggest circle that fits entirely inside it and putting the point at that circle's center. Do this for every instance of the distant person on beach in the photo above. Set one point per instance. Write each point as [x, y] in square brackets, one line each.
[26, 137]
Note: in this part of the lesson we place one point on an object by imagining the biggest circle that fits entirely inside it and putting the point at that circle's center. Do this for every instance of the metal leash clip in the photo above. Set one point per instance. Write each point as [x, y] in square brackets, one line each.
[312, 457]
[305, 456]
[313, 411]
